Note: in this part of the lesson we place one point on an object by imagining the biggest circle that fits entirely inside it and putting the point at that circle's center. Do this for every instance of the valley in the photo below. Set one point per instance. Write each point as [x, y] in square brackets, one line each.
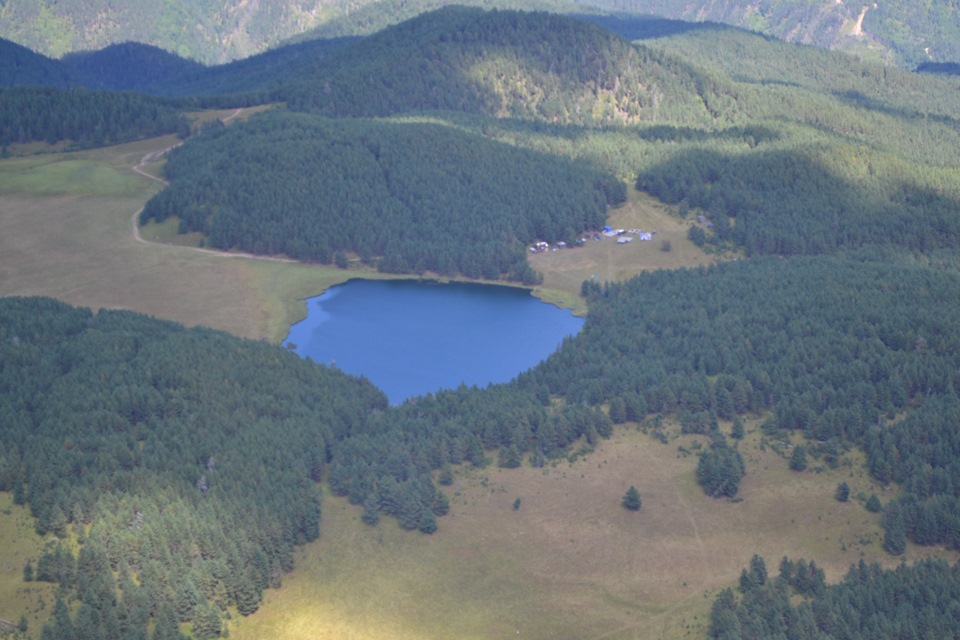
[772, 364]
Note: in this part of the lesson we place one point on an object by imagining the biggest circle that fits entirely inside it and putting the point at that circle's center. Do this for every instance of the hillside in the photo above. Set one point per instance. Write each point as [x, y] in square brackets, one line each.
[417, 196]
[218, 31]
[128, 66]
[499, 63]
[21, 66]
[211, 31]
[83, 118]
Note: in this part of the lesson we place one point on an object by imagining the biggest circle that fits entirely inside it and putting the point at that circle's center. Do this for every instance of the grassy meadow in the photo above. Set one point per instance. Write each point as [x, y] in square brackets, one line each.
[66, 232]
[570, 562]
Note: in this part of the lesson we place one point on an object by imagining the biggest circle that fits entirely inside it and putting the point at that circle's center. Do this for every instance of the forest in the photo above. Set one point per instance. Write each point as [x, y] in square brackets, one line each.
[912, 601]
[83, 118]
[696, 344]
[415, 196]
[189, 487]
[906, 33]
[829, 188]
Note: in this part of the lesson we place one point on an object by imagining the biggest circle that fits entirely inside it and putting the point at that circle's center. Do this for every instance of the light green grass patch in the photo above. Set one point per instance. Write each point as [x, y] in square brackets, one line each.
[56, 175]
[19, 544]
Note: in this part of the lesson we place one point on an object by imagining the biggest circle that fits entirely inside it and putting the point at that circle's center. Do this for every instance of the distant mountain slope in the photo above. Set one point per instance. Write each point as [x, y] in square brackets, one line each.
[503, 63]
[217, 31]
[261, 74]
[129, 66]
[19, 65]
[902, 31]
[212, 31]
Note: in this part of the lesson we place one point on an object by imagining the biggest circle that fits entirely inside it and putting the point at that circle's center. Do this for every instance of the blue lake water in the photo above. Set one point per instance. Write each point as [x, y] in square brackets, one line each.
[411, 338]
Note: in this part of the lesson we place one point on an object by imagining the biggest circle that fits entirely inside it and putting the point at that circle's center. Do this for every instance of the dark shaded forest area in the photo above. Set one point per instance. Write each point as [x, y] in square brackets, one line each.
[417, 196]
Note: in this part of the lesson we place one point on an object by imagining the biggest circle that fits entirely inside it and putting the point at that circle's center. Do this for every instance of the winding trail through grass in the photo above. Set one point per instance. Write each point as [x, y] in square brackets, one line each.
[154, 156]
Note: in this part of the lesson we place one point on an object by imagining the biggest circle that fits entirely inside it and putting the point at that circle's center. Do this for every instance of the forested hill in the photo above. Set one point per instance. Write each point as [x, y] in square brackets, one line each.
[499, 63]
[83, 118]
[418, 196]
[21, 66]
[192, 455]
[128, 66]
[217, 31]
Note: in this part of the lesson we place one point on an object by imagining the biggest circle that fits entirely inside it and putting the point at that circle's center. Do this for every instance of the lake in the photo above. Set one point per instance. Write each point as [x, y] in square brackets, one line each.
[411, 337]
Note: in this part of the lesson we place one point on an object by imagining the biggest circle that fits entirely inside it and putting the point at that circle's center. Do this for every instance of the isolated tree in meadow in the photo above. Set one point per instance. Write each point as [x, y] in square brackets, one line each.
[631, 500]
[843, 492]
[873, 504]
[720, 470]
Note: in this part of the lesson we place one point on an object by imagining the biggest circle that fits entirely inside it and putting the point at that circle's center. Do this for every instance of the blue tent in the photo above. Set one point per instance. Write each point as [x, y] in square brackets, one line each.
[607, 228]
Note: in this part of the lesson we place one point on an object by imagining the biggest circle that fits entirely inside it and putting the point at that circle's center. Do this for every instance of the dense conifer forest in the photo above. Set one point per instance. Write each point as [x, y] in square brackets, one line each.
[196, 481]
[835, 184]
[912, 601]
[83, 118]
[418, 196]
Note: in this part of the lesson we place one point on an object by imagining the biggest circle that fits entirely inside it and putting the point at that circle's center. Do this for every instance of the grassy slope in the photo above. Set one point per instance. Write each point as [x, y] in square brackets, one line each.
[570, 563]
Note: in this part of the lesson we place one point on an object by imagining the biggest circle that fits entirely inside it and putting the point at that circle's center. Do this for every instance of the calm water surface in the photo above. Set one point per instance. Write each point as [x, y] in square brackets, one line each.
[410, 337]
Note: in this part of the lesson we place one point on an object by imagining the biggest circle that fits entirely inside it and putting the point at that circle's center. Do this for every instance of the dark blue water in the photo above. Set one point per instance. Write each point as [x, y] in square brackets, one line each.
[411, 338]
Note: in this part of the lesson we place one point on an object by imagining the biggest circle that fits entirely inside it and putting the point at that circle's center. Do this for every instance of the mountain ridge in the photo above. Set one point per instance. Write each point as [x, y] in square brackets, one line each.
[219, 31]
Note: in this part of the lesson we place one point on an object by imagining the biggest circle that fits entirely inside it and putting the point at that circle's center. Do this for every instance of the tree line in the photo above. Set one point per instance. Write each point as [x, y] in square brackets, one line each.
[911, 601]
[84, 118]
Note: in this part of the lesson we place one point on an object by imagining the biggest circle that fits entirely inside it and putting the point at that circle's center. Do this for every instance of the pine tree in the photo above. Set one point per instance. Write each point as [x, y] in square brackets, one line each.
[843, 492]
[873, 504]
[631, 500]
[371, 509]
[428, 522]
[737, 432]
[798, 459]
[895, 534]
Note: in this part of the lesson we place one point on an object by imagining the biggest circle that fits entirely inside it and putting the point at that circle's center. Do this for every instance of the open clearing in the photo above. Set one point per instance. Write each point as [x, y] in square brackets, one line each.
[65, 232]
[20, 544]
[570, 562]
[564, 270]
